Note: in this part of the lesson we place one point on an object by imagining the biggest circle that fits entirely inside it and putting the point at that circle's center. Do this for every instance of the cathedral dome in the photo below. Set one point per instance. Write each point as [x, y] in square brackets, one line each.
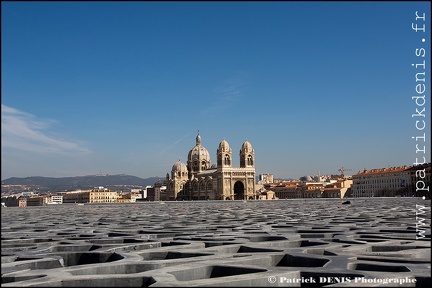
[247, 146]
[199, 152]
[198, 157]
[224, 146]
[179, 167]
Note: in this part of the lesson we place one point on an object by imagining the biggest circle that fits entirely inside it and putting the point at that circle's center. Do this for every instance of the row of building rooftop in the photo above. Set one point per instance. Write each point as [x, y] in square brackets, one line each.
[405, 181]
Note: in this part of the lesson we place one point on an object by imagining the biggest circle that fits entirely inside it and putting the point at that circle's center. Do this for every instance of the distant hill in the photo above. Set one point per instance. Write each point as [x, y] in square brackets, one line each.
[51, 184]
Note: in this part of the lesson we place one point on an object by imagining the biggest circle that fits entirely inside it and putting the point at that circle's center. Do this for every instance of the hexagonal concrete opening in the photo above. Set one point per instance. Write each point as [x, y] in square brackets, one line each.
[165, 255]
[393, 248]
[246, 249]
[307, 243]
[288, 260]
[264, 238]
[216, 271]
[380, 268]
[212, 244]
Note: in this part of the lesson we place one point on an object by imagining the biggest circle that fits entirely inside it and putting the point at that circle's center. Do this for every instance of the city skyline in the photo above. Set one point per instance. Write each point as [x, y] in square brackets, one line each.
[124, 87]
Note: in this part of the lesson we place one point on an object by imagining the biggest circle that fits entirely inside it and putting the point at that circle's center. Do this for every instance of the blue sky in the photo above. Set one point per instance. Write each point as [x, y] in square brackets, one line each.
[123, 87]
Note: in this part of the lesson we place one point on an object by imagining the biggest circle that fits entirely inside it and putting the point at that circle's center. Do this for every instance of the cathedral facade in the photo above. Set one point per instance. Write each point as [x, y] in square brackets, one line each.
[198, 179]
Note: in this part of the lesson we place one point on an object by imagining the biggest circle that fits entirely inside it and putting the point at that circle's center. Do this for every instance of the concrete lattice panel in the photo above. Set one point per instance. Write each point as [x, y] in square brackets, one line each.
[303, 243]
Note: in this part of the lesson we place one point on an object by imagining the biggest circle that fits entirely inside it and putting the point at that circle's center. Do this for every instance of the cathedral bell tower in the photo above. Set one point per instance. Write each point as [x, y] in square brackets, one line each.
[224, 155]
[247, 155]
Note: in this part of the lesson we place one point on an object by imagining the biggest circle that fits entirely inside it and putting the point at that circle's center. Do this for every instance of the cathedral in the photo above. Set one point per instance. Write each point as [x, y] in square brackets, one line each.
[200, 180]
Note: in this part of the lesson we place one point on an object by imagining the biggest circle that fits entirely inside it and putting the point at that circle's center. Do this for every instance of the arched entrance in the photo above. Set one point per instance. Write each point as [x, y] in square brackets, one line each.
[238, 191]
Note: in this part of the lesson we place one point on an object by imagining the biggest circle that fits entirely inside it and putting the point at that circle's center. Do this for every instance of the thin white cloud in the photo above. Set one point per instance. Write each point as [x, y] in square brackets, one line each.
[227, 94]
[24, 131]
[173, 144]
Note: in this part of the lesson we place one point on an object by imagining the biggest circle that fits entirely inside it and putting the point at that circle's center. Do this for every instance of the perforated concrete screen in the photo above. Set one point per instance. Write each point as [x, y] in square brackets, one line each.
[281, 243]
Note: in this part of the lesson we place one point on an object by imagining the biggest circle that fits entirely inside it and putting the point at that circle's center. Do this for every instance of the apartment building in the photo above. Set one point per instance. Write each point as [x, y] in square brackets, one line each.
[388, 182]
[339, 188]
[98, 195]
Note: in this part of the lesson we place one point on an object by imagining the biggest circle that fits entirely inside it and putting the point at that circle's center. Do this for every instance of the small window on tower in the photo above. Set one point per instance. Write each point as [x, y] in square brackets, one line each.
[250, 160]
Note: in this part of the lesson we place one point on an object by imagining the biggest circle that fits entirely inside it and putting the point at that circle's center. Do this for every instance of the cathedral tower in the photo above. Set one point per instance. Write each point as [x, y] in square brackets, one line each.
[247, 155]
[224, 155]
